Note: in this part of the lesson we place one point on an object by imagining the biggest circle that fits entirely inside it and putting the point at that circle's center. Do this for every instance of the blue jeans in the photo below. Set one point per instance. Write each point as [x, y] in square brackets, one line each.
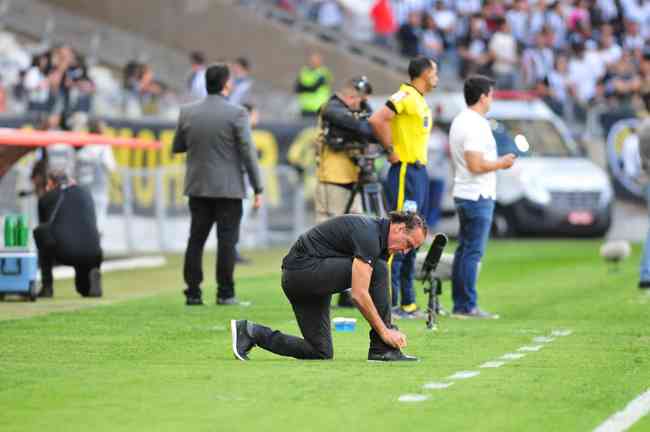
[645, 259]
[475, 221]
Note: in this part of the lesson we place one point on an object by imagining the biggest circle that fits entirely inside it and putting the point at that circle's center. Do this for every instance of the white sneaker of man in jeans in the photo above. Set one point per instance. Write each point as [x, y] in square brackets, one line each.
[474, 155]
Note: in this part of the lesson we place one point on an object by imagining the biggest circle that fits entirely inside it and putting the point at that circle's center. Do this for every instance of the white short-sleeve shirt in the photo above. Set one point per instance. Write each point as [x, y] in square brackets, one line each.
[470, 131]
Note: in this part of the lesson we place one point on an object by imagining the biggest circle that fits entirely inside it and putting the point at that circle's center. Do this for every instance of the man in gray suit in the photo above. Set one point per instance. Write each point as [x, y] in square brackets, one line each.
[216, 135]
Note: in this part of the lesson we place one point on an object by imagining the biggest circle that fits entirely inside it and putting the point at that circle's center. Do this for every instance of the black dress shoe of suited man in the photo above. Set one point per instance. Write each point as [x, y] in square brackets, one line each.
[193, 298]
[392, 355]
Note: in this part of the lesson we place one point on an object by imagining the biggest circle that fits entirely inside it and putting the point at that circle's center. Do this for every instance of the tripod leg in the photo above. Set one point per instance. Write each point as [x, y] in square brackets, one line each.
[373, 199]
[431, 312]
[353, 195]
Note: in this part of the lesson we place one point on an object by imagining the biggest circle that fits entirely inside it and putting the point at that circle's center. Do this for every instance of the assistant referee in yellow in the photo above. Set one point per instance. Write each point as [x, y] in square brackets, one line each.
[403, 126]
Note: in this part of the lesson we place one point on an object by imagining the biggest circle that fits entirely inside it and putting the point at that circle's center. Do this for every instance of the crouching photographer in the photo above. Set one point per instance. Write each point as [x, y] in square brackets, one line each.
[344, 133]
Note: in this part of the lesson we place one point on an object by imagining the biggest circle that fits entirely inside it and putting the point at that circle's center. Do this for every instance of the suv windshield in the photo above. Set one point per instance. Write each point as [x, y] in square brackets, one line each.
[543, 136]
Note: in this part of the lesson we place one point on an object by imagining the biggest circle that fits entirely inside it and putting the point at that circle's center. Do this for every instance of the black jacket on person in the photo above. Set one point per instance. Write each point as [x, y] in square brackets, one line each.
[336, 114]
[74, 226]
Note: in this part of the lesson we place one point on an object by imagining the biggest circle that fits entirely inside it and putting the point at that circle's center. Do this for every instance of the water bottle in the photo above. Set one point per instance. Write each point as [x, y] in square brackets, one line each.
[410, 206]
[9, 231]
[21, 231]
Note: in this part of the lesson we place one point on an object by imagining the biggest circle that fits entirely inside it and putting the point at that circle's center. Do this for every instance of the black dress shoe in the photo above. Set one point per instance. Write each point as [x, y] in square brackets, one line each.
[644, 284]
[193, 298]
[392, 355]
[242, 341]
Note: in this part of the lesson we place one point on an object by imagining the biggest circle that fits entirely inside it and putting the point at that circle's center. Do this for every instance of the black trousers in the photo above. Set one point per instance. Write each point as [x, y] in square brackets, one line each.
[82, 268]
[205, 212]
[309, 291]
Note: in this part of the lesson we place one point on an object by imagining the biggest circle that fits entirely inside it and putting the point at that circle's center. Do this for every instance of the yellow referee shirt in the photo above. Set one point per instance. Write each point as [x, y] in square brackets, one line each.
[411, 125]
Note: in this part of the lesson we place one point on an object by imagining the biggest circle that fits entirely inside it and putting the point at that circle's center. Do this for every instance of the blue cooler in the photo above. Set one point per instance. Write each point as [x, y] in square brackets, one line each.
[18, 269]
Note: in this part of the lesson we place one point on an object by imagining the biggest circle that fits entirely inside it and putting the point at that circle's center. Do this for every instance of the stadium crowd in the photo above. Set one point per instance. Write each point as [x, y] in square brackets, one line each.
[57, 81]
[579, 53]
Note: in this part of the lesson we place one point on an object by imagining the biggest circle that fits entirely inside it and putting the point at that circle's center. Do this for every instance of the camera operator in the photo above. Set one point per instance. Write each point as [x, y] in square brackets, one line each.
[344, 131]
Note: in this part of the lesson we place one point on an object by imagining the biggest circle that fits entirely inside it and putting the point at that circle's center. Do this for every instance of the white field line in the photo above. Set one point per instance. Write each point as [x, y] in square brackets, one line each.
[532, 348]
[413, 398]
[461, 375]
[622, 420]
[436, 385]
[492, 364]
[113, 265]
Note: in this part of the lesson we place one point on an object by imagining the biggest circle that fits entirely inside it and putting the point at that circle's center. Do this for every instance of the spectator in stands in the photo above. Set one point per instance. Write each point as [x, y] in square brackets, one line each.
[77, 88]
[582, 80]
[384, 23]
[408, 35]
[518, 18]
[313, 86]
[468, 8]
[503, 51]
[610, 52]
[446, 22]
[242, 81]
[130, 86]
[149, 89]
[472, 49]
[633, 41]
[196, 79]
[578, 16]
[431, 41]
[37, 85]
[330, 14]
[537, 61]
[558, 83]
[555, 22]
[70, 211]
[623, 82]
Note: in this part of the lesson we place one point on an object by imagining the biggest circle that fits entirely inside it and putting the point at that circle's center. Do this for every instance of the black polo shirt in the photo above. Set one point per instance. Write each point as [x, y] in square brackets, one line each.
[351, 236]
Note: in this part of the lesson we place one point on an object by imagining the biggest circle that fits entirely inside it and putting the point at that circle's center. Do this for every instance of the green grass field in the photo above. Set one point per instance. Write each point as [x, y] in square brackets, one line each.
[139, 360]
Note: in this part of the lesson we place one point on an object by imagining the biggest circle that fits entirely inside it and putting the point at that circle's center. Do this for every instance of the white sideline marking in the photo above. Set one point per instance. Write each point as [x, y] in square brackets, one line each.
[436, 385]
[464, 375]
[512, 356]
[543, 339]
[113, 265]
[492, 364]
[413, 398]
[622, 420]
[530, 348]
[561, 332]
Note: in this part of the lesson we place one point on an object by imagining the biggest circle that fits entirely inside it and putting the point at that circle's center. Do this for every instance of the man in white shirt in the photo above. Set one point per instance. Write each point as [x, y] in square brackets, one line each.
[475, 160]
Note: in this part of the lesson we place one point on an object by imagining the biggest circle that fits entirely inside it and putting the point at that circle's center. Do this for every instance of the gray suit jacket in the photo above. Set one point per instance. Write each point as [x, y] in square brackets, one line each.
[216, 135]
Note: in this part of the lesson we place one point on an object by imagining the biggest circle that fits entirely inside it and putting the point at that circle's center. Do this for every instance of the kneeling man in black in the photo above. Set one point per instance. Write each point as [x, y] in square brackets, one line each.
[344, 252]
